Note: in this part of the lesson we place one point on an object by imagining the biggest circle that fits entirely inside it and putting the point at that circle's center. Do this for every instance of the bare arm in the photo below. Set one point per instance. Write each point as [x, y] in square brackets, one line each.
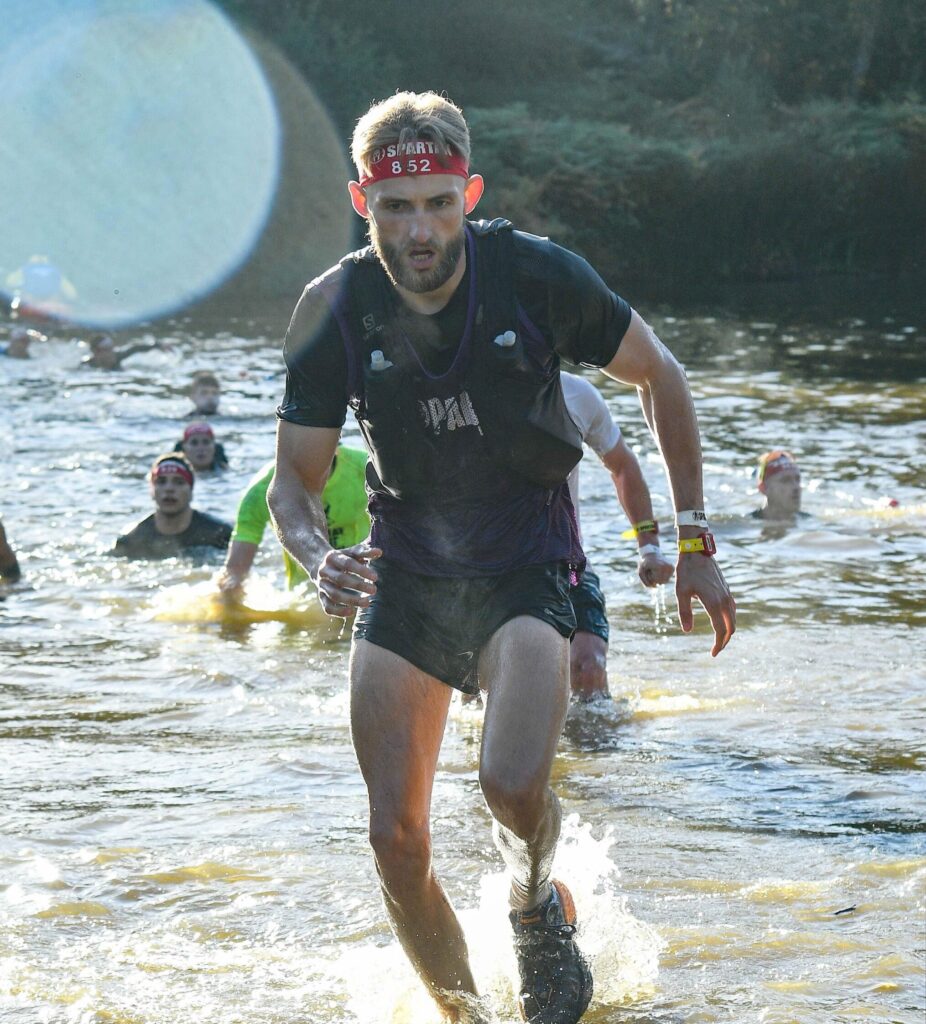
[238, 562]
[633, 494]
[344, 580]
[133, 350]
[643, 361]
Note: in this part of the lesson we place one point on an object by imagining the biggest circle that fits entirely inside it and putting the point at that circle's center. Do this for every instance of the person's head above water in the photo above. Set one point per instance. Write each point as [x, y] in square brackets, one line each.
[205, 392]
[20, 339]
[414, 189]
[779, 479]
[198, 445]
[171, 478]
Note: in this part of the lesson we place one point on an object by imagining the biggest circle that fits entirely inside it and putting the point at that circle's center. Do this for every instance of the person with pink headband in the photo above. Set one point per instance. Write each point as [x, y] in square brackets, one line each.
[778, 478]
[445, 337]
[199, 445]
[174, 528]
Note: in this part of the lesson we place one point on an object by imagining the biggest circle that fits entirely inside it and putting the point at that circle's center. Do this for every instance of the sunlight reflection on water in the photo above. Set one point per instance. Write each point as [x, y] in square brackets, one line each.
[184, 823]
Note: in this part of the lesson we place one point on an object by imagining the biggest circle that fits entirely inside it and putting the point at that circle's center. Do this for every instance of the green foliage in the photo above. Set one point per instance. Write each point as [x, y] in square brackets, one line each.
[667, 140]
[344, 62]
[834, 189]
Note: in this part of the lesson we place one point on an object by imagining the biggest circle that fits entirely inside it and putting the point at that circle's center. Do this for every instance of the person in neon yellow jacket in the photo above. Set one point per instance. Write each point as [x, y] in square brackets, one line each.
[345, 501]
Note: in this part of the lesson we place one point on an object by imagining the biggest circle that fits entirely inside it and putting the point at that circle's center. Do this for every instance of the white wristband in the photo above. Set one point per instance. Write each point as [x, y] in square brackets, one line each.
[692, 517]
[649, 549]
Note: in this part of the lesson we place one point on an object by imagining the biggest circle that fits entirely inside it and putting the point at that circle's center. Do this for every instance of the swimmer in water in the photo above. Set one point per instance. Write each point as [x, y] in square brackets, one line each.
[205, 393]
[9, 565]
[105, 356]
[200, 446]
[779, 480]
[345, 501]
[174, 526]
[20, 338]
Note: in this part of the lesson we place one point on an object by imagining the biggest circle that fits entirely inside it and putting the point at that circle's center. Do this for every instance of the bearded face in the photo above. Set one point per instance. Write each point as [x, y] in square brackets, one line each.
[418, 266]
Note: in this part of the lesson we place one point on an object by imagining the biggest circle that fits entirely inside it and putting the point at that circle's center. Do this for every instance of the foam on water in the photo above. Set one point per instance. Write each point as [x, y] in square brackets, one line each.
[201, 603]
[623, 951]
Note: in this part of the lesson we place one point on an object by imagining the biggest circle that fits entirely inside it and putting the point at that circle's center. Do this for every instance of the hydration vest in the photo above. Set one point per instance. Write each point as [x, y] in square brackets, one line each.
[504, 377]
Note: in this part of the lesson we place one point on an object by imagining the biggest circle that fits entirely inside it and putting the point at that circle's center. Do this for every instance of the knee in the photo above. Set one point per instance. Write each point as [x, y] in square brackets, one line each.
[517, 802]
[402, 852]
[588, 674]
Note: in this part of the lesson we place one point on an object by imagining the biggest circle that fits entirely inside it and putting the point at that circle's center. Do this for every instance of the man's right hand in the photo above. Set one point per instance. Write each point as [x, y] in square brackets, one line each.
[230, 587]
[346, 581]
[654, 568]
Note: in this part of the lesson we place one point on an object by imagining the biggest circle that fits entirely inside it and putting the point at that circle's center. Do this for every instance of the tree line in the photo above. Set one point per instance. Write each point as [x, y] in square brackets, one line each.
[671, 140]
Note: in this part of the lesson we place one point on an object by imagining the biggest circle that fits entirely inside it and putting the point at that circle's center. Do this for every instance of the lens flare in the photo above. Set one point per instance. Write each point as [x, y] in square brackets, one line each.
[139, 156]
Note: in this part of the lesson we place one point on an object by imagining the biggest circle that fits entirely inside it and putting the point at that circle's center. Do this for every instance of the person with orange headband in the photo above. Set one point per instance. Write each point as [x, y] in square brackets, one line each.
[779, 480]
[445, 337]
[174, 527]
[199, 445]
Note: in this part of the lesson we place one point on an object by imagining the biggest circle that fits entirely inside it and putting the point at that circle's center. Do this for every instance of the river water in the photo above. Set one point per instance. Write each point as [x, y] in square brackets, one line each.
[183, 823]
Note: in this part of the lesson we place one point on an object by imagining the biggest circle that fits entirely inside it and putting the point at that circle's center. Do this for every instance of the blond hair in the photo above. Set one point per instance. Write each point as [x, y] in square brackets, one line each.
[407, 116]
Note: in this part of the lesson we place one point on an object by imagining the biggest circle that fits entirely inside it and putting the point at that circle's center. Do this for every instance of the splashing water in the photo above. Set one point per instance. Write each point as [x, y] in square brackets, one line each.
[623, 951]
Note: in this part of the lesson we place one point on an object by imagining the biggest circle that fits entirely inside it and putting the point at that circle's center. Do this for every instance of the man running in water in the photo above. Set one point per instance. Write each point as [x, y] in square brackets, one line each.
[445, 338]
[588, 651]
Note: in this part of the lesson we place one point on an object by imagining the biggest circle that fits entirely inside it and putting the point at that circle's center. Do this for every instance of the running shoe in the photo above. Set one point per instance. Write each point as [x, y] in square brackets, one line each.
[556, 982]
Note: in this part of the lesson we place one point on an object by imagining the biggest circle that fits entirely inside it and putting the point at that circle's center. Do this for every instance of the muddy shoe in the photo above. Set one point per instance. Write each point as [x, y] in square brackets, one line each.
[556, 983]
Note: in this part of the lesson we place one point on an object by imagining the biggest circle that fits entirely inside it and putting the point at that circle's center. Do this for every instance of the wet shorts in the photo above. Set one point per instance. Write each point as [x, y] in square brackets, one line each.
[588, 603]
[440, 624]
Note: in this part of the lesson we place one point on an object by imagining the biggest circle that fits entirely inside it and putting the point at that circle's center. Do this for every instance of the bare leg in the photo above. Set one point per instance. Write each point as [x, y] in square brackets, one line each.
[588, 671]
[525, 667]
[398, 714]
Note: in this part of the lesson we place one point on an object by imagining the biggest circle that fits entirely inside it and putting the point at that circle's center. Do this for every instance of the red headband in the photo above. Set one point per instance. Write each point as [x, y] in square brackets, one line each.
[197, 428]
[420, 156]
[172, 467]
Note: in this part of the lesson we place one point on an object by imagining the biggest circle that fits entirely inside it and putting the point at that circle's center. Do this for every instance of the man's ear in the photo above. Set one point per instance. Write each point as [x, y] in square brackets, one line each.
[358, 198]
[472, 192]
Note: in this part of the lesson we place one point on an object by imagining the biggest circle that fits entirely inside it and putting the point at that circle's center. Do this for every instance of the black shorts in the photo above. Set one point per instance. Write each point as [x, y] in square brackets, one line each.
[588, 604]
[440, 625]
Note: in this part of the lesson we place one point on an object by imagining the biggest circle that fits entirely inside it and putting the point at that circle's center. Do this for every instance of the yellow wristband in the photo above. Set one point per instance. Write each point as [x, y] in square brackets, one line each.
[705, 544]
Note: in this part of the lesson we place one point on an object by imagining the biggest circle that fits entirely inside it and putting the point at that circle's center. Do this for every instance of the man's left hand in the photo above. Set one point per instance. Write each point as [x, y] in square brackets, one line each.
[700, 577]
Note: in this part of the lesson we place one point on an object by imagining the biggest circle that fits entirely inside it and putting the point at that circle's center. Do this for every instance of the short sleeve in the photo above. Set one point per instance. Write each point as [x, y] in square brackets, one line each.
[565, 297]
[316, 365]
[253, 514]
[590, 413]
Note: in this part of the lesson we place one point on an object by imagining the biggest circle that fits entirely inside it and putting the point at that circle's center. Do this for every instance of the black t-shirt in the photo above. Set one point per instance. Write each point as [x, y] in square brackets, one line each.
[144, 541]
[479, 519]
[562, 295]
